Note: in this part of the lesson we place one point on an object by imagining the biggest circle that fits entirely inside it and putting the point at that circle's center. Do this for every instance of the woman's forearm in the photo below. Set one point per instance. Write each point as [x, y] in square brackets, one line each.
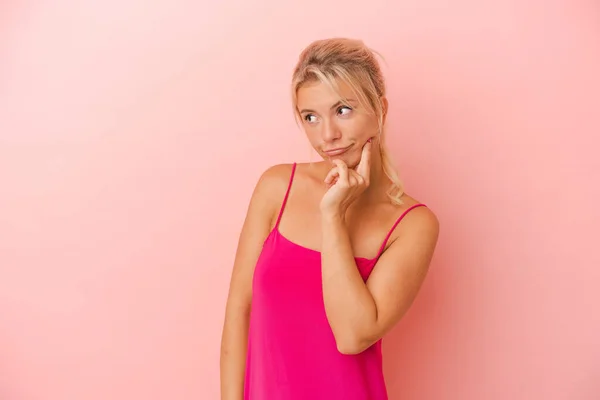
[234, 347]
[348, 303]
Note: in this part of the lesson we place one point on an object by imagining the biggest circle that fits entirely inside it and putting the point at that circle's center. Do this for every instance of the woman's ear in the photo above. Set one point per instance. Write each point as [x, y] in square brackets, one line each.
[384, 105]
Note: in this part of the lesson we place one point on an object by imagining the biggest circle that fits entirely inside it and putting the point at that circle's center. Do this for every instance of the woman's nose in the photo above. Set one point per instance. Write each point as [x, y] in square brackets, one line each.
[330, 132]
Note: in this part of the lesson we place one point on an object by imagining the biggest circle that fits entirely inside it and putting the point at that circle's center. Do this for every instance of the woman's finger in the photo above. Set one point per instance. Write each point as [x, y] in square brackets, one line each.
[343, 171]
[332, 176]
[364, 166]
[358, 179]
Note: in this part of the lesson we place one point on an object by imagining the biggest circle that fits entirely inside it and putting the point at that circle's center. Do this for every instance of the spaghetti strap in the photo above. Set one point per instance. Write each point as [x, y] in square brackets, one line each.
[287, 193]
[394, 227]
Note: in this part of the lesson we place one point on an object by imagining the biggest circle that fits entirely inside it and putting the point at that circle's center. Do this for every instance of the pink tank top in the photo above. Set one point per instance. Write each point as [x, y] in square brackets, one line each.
[292, 354]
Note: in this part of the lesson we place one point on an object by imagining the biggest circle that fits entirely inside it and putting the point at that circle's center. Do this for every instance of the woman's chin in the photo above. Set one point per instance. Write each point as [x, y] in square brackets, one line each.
[349, 159]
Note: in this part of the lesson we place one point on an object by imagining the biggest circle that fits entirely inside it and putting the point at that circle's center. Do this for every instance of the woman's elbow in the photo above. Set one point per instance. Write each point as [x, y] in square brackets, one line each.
[351, 345]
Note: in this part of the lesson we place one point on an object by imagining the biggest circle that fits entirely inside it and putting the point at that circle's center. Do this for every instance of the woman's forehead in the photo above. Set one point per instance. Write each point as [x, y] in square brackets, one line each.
[320, 94]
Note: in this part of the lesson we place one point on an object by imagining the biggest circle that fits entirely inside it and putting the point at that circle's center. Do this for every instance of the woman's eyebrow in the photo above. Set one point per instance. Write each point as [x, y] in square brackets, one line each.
[337, 104]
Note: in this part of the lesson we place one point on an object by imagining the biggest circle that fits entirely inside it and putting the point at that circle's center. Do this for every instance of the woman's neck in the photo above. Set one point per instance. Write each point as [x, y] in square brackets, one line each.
[379, 183]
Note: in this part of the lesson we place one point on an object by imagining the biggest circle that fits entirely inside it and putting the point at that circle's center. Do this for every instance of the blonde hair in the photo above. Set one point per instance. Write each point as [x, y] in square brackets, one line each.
[352, 62]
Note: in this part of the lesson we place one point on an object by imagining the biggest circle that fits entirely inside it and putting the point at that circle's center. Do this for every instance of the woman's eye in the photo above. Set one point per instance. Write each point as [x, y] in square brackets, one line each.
[308, 118]
[347, 110]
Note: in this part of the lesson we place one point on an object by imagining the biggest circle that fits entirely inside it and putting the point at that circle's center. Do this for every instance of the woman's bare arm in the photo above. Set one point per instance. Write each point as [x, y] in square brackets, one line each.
[257, 225]
[361, 313]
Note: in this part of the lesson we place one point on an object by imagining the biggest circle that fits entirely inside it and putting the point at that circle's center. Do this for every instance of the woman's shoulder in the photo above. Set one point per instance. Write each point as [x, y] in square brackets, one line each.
[417, 210]
[277, 177]
[415, 216]
[273, 183]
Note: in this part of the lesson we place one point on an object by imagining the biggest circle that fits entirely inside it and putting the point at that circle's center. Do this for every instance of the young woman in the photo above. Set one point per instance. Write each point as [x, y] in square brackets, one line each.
[331, 254]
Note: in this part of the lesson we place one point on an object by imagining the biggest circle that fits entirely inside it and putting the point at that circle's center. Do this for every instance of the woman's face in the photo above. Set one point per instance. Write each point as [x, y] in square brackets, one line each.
[333, 129]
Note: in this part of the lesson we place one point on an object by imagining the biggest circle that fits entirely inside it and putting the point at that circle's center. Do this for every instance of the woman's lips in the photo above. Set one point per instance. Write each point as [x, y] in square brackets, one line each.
[337, 151]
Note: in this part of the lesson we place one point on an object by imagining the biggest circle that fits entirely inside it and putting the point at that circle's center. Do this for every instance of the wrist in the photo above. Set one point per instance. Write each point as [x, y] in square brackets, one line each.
[332, 217]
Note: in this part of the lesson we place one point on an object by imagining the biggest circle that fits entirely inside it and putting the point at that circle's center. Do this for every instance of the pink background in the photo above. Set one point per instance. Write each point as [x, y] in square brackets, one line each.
[132, 133]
